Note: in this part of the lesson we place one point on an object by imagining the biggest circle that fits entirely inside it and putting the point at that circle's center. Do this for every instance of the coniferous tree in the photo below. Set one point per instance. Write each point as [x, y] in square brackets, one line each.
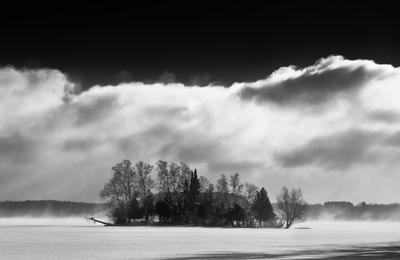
[194, 199]
[262, 207]
[186, 200]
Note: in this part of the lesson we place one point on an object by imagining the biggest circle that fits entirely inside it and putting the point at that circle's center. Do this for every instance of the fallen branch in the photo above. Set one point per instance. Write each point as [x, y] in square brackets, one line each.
[93, 220]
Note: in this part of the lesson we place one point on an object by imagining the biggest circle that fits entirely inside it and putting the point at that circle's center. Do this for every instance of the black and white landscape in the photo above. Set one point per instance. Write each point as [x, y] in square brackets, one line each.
[241, 130]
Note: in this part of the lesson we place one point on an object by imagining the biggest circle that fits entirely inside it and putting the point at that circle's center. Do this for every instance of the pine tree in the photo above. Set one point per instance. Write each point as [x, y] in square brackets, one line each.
[186, 201]
[194, 197]
[262, 208]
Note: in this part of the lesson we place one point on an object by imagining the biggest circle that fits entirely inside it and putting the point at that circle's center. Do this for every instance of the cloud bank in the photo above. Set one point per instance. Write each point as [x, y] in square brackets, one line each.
[331, 128]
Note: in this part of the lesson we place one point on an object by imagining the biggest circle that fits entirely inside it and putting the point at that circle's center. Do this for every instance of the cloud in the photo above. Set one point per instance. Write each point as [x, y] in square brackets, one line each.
[230, 167]
[338, 151]
[93, 109]
[57, 142]
[393, 140]
[384, 116]
[78, 144]
[17, 148]
[315, 85]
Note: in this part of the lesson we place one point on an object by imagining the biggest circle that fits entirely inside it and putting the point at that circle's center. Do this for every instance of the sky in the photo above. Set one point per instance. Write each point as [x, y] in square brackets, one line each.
[296, 94]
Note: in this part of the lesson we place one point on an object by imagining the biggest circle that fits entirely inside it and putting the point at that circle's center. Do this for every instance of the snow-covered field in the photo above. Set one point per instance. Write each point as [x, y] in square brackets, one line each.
[76, 239]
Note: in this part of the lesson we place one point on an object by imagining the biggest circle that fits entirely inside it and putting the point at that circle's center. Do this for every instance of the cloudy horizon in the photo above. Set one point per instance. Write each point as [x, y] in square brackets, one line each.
[331, 128]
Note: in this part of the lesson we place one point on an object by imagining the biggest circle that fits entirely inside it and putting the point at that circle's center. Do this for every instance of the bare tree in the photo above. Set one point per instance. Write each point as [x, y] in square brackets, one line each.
[250, 193]
[162, 176]
[236, 186]
[120, 190]
[222, 190]
[171, 177]
[186, 172]
[171, 183]
[145, 183]
[144, 180]
[291, 206]
[175, 179]
[204, 184]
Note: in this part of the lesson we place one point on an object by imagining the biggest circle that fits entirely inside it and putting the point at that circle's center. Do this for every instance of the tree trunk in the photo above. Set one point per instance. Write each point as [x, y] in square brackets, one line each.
[99, 221]
[288, 224]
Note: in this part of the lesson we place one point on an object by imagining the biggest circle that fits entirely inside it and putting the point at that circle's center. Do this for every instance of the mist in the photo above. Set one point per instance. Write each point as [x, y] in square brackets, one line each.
[36, 210]
[44, 221]
[346, 211]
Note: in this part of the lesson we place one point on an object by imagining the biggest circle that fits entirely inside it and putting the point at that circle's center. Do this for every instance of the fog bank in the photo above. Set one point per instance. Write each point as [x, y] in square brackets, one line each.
[43, 221]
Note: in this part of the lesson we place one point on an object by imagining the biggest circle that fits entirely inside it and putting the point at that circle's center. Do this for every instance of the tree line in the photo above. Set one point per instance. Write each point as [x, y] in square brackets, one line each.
[180, 196]
[347, 211]
[49, 208]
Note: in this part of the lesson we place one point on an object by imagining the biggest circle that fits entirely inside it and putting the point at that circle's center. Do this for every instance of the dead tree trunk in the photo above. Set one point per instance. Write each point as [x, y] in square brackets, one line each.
[93, 220]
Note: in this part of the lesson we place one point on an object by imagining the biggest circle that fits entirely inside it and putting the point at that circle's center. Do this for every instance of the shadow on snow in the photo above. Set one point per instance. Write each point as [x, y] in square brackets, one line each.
[354, 252]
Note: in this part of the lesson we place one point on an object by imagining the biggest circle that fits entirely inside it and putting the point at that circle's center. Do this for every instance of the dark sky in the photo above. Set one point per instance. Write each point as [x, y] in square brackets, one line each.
[110, 41]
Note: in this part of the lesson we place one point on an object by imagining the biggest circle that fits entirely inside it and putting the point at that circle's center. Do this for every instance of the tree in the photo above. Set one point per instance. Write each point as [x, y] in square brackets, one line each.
[222, 191]
[171, 179]
[204, 183]
[119, 192]
[250, 194]
[236, 186]
[235, 213]
[206, 207]
[162, 176]
[118, 216]
[262, 207]
[134, 210]
[194, 196]
[144, 185]
[163, 208]
[222, 203]
[292, 208]
[148, 207]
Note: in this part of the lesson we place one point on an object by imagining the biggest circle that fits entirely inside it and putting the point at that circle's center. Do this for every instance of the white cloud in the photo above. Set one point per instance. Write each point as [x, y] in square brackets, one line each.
[288, 129]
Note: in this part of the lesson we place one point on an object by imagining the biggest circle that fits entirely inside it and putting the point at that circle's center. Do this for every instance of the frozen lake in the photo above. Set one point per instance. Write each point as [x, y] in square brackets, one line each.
[76, 239]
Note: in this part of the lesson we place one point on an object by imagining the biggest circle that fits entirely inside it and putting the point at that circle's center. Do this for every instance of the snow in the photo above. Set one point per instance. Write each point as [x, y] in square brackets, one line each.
[61, 239]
